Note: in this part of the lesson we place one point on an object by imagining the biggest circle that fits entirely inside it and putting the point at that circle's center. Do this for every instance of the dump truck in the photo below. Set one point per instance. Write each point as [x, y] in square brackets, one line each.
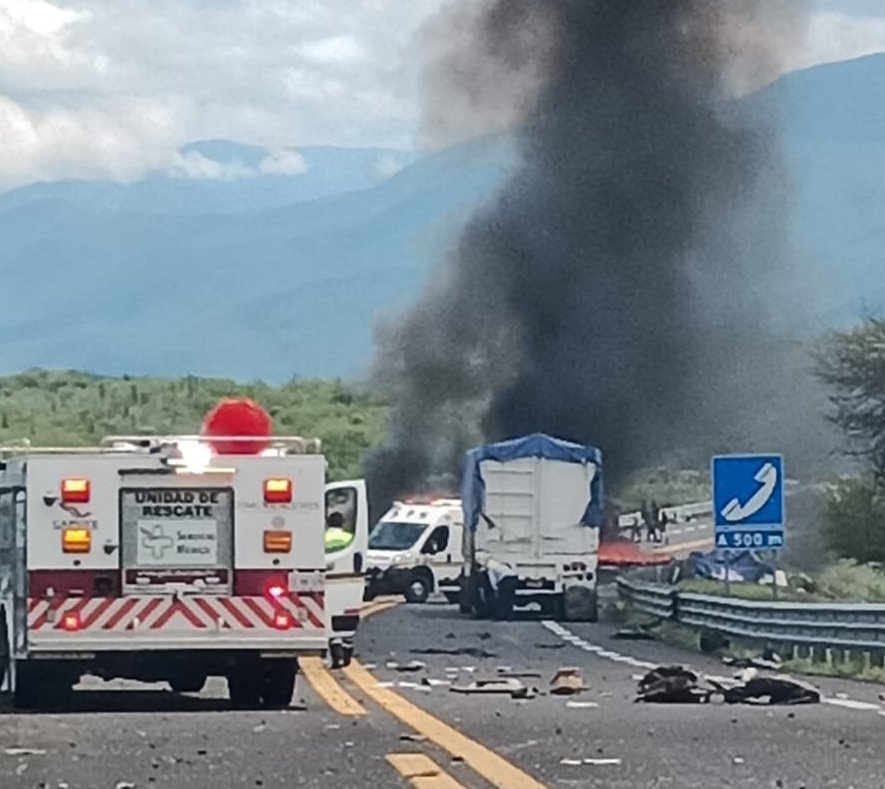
[533, 509]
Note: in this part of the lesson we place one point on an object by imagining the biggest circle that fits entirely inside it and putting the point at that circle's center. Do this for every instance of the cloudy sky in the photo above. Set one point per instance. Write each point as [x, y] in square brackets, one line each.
[113, 88]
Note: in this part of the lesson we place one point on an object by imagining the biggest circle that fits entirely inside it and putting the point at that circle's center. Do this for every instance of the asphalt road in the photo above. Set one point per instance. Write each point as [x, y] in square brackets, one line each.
[379, 726]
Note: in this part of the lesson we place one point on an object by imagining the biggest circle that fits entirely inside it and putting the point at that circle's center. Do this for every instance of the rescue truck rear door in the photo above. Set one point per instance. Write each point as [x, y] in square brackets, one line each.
[177, 538]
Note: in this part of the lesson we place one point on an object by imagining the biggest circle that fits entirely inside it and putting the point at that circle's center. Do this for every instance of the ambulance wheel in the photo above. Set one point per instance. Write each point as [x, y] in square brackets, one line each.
[278, 683]
[187, 683]
[419, 587]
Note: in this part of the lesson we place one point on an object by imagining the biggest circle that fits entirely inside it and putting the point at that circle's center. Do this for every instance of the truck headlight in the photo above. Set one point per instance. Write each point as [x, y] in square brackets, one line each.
[399, 559]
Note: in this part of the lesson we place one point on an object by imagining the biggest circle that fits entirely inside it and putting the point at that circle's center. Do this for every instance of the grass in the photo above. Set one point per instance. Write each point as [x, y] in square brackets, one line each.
[78, 409]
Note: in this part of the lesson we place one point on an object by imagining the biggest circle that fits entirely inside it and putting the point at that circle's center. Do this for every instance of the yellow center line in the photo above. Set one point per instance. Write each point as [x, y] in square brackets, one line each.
[328, 688]
[379, 605]
[494, 768]
[421, 771]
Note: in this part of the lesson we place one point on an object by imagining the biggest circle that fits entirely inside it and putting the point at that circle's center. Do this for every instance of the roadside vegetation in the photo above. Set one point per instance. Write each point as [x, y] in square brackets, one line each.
[78, 409]
[845, 580]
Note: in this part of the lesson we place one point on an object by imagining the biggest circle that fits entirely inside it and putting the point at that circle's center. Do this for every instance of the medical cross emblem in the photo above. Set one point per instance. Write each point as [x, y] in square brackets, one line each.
[156, 541]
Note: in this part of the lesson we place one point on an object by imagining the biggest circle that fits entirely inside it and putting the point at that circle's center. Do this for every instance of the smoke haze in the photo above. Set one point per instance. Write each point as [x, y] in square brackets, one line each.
[632, 286]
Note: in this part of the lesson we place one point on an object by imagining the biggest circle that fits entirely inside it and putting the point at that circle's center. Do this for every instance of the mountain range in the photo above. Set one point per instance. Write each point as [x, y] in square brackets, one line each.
[253, 264]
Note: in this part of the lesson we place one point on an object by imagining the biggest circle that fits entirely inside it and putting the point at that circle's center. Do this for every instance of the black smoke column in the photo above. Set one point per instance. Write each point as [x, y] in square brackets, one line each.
[627, 288]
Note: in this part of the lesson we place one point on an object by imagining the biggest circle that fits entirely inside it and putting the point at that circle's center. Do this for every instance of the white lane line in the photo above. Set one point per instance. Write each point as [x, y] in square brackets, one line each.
[688, 529]
[566, 635]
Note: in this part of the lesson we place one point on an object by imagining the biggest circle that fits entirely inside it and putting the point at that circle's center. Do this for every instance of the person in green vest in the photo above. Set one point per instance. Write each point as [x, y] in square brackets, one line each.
[337, 537]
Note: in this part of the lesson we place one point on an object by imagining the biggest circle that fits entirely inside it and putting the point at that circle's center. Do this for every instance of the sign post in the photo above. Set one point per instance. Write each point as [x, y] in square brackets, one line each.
[748, 503]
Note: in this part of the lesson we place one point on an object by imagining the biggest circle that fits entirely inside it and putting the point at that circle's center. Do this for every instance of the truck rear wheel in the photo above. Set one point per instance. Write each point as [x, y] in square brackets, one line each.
[264, 683]
[580, 604]
[187, 683]
[278, 683]
[38, 687]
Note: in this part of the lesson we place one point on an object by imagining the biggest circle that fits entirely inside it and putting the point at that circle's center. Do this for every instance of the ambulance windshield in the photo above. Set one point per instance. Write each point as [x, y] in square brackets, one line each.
[395, 535]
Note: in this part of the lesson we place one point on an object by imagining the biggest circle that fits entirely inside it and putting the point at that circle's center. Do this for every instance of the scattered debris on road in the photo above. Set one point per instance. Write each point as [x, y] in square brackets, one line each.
[640, 633]
[581, 705]
[769, 660]
[509, 673]
[511, 687]
[597, 762]
[557, 645]
[24, 751]
[413, 738]
[567, 682]
[679, 685]
[413, 665]
[672, 685]
[475, 652]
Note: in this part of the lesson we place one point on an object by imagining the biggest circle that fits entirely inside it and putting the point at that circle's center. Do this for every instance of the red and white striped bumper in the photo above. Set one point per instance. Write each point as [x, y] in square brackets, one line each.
[292, 622]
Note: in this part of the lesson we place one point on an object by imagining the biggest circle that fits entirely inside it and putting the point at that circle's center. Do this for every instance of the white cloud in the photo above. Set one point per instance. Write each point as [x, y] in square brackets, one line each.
[114, 88]
[284, 162]
[131, 81]
[387, 166]
[837, 36]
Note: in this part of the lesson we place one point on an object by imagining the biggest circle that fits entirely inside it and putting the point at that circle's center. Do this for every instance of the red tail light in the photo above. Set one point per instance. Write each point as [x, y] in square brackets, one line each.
[282, 621]
[277, 491]
[71, 622]
[75, 491]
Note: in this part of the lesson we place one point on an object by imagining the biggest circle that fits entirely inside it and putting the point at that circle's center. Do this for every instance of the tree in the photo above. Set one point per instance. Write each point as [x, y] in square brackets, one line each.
[855, 519]
[852, 363]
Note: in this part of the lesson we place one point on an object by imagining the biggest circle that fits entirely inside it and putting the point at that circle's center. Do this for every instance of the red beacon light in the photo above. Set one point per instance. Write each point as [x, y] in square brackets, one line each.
[282, 620]
[276, 591]
[234, 417]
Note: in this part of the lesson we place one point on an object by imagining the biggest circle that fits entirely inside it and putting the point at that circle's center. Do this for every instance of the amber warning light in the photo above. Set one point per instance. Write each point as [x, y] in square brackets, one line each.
[278, 491]
[75, 491]
[76, 540]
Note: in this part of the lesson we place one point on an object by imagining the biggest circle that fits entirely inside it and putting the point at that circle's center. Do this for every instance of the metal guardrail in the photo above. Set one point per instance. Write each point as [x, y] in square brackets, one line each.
[679, 514]
[847, 626]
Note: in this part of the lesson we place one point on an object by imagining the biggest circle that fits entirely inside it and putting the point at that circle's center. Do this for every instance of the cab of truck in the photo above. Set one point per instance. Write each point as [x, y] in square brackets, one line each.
[415, 550]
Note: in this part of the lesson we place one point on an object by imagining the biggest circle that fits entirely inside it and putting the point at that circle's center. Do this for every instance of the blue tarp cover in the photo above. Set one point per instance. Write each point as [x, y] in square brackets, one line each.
[742, 565]
[537, 445]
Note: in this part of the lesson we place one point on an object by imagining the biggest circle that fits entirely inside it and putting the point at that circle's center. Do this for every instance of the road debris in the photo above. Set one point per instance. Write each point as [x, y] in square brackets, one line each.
[581, 705]
[679, 685]
[557, 645]
[640, 633]
[595, 762]
[567, 682]
[672, 685]
[474, 652]
[413, 738]
[511, 687]
[769, 660]
[433, 683]
[779, 689]
[412, 665]
[519, 674]
[24, 751]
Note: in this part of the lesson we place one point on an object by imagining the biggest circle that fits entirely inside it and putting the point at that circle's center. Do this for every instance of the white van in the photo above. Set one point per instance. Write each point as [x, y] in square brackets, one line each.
[415, 550]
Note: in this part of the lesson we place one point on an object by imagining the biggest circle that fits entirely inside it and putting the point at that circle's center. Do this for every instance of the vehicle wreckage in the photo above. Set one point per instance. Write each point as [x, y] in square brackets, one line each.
[679, 685]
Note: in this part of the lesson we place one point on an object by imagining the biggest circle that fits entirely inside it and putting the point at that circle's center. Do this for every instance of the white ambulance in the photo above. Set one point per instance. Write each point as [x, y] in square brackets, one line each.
[151, 558]
[415, 550]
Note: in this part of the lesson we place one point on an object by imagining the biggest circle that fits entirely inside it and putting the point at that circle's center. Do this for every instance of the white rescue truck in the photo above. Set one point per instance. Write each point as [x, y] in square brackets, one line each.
[415, 550]
[532, 511]
[153, 559]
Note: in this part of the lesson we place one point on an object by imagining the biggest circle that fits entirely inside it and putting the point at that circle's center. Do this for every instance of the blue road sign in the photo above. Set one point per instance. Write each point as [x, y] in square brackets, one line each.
[748, 501]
